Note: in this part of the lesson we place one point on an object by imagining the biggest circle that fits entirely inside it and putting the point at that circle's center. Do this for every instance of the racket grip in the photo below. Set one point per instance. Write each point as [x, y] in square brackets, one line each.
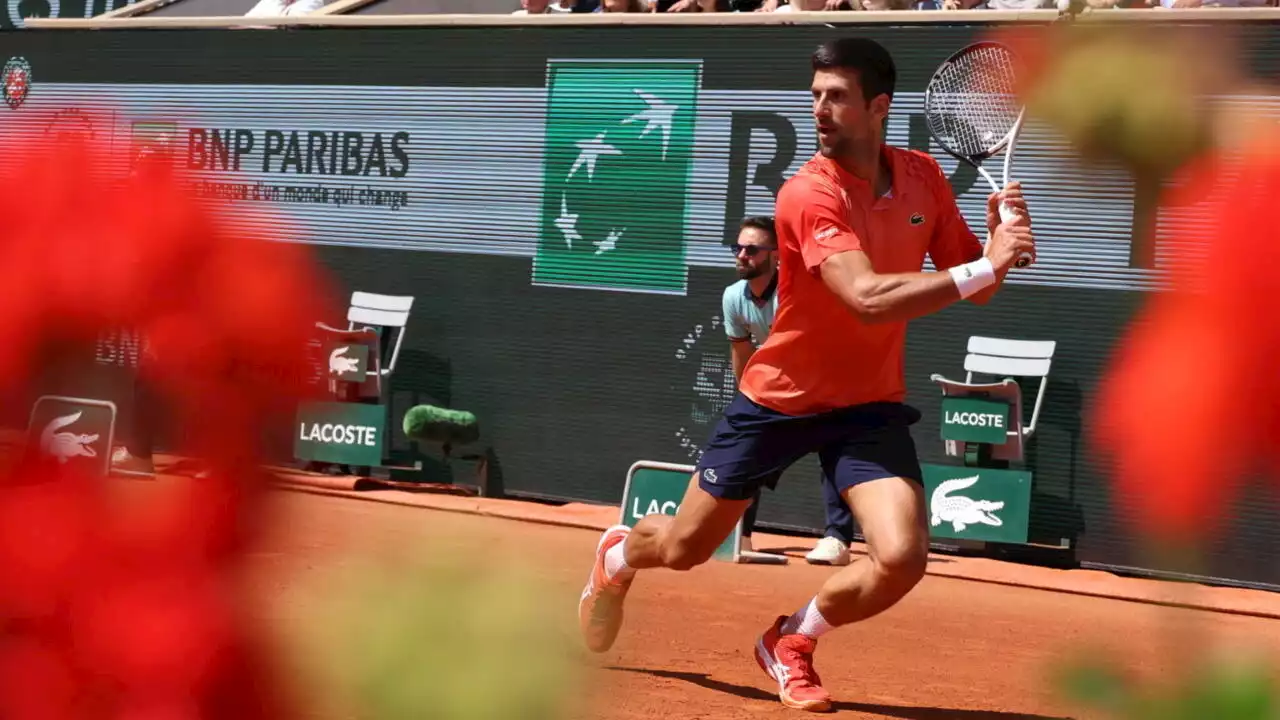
[1007, 214]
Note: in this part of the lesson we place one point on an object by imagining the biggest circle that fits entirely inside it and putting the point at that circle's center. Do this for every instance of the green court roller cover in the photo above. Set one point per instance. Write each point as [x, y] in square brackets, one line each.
[436, 424]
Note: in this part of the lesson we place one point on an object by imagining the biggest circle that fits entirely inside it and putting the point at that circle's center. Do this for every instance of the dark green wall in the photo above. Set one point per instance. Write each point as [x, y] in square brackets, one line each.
[572, 386]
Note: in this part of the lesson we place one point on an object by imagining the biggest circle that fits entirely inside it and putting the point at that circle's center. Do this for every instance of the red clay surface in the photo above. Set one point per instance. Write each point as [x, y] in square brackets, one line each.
[597, 517]
[954, 649]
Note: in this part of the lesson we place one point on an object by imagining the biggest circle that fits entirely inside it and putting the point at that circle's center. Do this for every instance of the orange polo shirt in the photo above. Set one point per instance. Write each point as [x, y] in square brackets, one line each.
[820, 356]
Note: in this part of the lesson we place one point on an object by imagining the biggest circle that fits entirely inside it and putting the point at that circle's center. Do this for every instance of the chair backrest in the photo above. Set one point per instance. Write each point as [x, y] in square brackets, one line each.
[1004, 357]
[388, 311]
[375, 309]
[1013, 358]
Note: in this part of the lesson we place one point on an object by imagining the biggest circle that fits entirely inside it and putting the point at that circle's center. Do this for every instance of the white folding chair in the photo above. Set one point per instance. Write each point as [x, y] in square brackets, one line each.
[376, 312]
[1006, 359]
[389, 312]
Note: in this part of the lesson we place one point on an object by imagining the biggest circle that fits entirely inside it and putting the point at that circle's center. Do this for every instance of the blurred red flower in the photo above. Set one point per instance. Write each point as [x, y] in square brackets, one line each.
[1192, 398]
[133, 606]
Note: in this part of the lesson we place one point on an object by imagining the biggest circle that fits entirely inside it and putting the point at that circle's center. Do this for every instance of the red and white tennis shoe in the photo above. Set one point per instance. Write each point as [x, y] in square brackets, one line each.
[600, 608]
[788, 659]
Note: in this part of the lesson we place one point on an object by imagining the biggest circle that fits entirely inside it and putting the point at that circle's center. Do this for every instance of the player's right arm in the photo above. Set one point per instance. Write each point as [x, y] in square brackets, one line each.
[815, 215]
[740, 347]
[741, 350]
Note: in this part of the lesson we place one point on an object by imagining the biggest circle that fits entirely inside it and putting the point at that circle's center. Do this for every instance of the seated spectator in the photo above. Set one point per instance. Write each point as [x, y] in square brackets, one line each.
[813, 5]
[1178, 4]
[634, 6]
[1078, 6]
[691, 6]
[546, 7]
[1020, 4]
[543, 7]
[279, 8]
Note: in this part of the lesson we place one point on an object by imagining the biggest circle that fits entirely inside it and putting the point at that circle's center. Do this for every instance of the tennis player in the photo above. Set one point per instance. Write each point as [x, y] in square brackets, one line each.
[749, 306]
[854, 227]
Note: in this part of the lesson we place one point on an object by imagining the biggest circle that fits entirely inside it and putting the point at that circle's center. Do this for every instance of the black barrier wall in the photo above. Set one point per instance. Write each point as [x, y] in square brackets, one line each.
[557, 200]
[15, 12]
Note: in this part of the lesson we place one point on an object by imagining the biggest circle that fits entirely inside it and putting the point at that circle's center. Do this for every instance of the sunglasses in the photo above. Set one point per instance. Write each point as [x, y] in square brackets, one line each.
[751, 250]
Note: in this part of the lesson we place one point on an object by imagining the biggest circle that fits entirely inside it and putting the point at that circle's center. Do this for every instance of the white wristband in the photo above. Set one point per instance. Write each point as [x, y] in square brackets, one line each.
[974, 276]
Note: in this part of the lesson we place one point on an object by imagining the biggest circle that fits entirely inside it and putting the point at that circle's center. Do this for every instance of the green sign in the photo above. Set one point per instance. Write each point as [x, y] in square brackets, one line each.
[346, 433]
[970, 419]
[616, 168]
[658, 488]
[972, 503]
[347, 361]
[71, 430]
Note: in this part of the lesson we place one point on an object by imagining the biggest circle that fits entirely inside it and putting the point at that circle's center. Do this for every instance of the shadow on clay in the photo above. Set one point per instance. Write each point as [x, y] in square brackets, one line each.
[904, 712]
[798, 551]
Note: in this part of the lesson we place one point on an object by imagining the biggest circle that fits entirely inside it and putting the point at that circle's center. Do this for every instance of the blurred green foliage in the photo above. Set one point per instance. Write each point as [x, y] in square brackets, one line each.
[1237, 690]
[1122, 94]
[441, 640]
[1140, 97]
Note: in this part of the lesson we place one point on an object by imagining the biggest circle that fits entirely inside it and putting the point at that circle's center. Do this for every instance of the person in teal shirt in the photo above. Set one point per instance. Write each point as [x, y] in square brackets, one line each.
[748, 307]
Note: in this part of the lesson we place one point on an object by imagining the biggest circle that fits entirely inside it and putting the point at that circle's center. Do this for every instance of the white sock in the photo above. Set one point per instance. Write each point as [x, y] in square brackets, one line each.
[807, 621]
[615, 563]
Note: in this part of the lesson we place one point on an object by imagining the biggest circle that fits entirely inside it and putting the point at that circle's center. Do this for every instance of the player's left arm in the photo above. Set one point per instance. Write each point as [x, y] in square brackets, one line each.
[954, 244]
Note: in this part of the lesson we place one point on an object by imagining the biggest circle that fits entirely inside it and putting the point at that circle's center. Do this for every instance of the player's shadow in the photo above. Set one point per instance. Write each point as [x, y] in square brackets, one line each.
[799, 551]
[905, 712]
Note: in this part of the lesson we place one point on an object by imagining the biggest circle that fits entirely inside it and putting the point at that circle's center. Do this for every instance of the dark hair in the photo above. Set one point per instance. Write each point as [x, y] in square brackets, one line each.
[872, 62]
[763, 223]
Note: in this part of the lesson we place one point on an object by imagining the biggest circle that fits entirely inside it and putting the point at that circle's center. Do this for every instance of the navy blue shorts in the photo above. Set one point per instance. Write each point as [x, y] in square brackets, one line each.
[752, 446]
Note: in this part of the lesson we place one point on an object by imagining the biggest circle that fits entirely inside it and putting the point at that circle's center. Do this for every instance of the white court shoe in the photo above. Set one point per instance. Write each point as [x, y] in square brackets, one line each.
[829, 551]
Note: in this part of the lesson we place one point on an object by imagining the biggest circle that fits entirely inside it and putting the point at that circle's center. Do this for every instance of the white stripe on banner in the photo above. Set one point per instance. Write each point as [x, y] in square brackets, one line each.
[460, 170]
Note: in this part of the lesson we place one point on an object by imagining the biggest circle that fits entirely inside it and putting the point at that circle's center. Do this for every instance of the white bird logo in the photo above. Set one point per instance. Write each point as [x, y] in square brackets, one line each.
[660, 114]
[567, 223]
[610, 242]
[588, 152]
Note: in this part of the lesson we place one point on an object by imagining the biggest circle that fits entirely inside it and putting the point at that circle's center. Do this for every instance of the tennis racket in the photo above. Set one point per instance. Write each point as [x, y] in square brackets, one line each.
[973, 111]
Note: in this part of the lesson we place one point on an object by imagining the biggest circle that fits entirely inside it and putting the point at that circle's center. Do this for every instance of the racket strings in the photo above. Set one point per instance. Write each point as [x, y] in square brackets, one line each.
[971, 103]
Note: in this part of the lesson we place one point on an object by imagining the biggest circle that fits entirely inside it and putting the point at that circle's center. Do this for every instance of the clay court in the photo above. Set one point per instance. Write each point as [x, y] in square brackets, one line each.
[955, 648]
